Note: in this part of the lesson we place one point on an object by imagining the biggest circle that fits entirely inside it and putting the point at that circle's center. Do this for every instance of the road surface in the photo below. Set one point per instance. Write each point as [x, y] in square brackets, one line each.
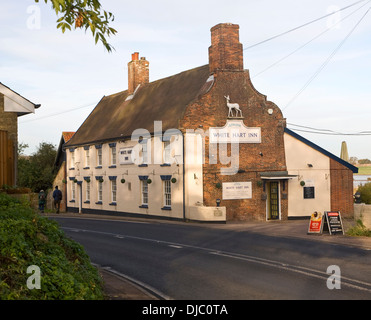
[193, 261]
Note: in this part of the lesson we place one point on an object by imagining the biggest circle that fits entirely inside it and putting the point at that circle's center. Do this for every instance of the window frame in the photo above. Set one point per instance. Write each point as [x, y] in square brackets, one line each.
[166, 154]
[113, 157]
[73, 159]
[167, 193]
[73, 191]
[114, 191]
[87, 192]
[99, 157]
[144, 192]
[99, 191]
[87, 158]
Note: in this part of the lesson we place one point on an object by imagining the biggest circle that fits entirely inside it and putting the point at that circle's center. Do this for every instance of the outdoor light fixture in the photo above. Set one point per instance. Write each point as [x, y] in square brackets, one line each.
[310, 165]
[218, 202]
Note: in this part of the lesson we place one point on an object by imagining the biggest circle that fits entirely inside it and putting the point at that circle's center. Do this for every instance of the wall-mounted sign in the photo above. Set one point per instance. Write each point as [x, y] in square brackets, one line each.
[237, 190]
[235, 131]
[125, 156]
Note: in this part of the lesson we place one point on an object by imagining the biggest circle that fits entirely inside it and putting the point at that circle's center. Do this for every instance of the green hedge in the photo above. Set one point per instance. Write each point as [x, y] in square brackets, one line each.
[28, 239]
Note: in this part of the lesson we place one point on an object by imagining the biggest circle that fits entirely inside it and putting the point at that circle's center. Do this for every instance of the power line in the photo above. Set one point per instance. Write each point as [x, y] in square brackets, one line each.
[59, 113]
[301, 26]
[327, 131]
[325, 62]
[305, 44]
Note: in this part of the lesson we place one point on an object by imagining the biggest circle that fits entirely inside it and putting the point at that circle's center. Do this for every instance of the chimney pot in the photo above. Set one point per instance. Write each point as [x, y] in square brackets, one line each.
[135, 56]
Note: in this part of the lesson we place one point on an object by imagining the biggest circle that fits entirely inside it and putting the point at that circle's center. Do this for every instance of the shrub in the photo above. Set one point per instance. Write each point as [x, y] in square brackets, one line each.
[28, 239]
[365, 191]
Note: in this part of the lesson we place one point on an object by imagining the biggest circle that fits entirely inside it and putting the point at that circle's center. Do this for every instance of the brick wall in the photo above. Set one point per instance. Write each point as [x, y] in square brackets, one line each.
[341, 189]
[210, 110]
[138, 71]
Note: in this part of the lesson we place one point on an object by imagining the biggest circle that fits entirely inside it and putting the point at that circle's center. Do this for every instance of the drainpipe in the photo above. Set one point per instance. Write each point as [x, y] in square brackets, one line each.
[79, 185]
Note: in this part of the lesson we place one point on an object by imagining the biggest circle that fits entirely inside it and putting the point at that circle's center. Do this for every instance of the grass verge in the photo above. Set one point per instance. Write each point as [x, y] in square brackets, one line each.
[359, 230]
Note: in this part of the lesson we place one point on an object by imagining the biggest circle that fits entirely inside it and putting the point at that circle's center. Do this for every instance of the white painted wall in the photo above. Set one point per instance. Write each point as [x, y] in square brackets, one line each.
[128, 193]
[298, 156]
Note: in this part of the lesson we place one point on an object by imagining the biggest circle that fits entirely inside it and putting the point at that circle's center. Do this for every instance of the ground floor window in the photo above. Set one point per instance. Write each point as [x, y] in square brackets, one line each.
[167, 193]
[144, 187]
[113, 190]
[100, 191]
[87, 194]
[73, 191]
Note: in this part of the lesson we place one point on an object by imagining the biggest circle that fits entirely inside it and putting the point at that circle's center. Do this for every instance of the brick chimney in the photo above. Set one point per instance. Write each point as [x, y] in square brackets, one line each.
[138, 70]
[225, 52]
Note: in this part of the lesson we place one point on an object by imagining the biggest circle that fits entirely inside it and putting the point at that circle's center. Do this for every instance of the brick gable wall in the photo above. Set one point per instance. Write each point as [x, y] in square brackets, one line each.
[341, 189]
[210, 110]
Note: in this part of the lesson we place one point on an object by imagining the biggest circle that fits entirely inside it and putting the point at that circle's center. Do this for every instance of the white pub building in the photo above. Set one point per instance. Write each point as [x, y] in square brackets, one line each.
[200, 145]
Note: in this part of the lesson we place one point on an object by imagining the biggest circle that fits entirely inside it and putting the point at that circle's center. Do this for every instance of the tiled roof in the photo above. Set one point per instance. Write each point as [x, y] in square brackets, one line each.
[117, 117]
[67, 135]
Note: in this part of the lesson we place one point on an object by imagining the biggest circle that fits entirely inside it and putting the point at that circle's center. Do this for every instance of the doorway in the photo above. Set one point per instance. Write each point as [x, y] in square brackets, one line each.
[273, 206]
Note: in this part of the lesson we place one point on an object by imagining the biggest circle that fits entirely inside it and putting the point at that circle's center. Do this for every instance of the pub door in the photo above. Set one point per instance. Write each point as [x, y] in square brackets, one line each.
[273, 201]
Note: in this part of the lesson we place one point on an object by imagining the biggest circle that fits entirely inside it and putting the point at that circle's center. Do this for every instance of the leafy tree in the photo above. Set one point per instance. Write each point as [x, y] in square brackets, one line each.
[365, 191]
[364, 161]
[21, 147]
[353, 160]
[86, 14]
[36, 171]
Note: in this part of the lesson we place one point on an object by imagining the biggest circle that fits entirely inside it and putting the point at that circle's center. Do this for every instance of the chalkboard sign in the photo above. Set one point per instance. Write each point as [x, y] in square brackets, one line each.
[308, 192]
[334, 223]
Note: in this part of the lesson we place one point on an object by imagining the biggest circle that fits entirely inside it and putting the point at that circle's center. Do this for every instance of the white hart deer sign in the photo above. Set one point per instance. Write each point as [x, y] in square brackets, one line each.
[232, 106]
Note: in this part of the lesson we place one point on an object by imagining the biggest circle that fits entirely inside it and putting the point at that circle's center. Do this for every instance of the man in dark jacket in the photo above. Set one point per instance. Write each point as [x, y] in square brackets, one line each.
[57, 196]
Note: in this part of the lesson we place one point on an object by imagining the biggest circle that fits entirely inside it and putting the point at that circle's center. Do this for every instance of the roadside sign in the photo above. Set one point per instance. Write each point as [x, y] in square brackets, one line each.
[334, 223]
[316, 223]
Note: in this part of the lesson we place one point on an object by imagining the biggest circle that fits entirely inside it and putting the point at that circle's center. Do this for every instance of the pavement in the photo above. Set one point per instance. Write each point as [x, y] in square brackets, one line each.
[119, 287]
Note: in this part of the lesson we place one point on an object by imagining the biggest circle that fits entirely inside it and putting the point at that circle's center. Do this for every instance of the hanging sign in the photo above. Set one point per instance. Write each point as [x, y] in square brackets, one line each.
[334, 223]
[316, 223]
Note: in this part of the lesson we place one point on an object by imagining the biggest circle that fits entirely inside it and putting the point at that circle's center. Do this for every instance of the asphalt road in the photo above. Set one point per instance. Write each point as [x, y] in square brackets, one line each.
[192, 261]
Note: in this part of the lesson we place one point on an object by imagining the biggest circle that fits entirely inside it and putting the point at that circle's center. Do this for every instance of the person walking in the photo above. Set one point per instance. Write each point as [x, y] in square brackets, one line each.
[57, 196]
[42, 200]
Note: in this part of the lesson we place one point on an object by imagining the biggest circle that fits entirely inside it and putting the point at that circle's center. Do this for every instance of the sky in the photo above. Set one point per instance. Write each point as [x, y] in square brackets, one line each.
[319, 75]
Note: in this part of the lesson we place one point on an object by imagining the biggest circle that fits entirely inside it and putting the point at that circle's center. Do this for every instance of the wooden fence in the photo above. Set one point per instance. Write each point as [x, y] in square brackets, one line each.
[7, 160]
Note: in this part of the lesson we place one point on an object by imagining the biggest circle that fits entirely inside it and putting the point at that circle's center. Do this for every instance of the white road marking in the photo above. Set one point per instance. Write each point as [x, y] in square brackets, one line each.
[276, 264]
[174, 246]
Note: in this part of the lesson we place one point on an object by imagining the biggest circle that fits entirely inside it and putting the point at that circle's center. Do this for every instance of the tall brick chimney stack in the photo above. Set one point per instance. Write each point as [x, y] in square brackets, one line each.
[225, 52]
[138, 70]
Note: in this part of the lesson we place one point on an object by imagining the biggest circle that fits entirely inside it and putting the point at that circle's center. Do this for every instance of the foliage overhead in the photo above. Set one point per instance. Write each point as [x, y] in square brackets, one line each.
[86, 14]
